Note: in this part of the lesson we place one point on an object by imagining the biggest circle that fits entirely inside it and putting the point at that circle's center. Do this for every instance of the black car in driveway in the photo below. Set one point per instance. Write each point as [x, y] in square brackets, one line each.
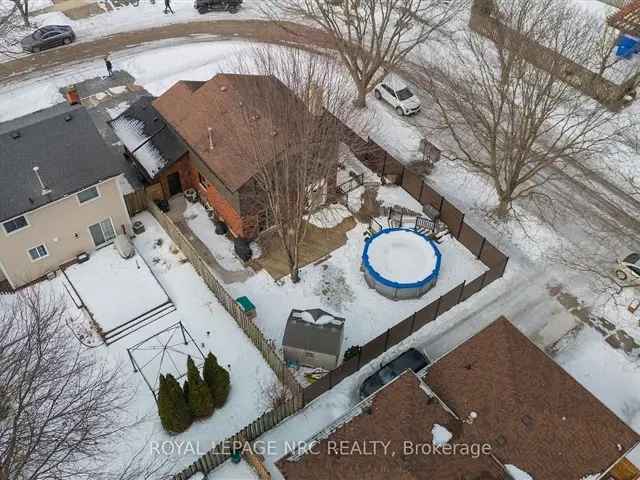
[411, 359]
[48, 37]
[204, 6]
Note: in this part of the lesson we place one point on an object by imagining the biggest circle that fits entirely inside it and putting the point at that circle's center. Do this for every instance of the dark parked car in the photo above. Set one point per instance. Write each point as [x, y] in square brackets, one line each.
[204, 6]
[411, 359]
[48, 37]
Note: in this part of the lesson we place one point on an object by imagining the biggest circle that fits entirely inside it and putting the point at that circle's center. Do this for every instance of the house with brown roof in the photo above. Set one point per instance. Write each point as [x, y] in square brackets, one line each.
[222, 127]
[494, 408]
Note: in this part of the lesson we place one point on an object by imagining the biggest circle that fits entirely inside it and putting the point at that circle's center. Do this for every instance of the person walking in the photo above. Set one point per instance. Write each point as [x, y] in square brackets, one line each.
[107, 63]
[167, 7]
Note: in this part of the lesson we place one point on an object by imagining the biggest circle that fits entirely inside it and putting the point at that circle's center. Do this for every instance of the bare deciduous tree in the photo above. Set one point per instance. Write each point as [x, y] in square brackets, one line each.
[14, 23]
[274, 393]
[287, 127]
[608, 63]
[372, 36]
[61, 406]
[511, 122]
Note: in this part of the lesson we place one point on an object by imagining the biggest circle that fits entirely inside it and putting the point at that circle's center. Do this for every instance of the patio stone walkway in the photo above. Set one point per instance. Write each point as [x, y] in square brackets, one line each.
[178, 205]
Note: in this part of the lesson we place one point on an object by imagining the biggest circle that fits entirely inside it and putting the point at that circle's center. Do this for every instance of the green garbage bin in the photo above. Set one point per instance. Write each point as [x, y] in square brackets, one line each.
[247, 306]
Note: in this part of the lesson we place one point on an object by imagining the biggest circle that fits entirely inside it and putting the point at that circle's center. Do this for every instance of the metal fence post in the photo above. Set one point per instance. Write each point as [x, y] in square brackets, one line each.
[438, 307]
[386, 339]
[460, 227]
[504, 267]
[484, 278]
[413, 323]
[481, 247]
[464, 284]
[384, 165]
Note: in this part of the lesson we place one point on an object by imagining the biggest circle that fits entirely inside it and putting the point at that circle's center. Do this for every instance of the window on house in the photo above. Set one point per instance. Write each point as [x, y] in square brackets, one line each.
[36, 253]
[102, 232]
[15, 224]
[88, 194]
[202, 180]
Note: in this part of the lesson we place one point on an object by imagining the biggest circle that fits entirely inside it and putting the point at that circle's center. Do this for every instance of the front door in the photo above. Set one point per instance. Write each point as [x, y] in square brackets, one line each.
[175, 186]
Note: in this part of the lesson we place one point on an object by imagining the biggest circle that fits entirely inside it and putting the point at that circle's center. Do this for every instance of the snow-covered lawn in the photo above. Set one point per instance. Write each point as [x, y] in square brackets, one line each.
[607, 373]
[116, 290]
[212, 329]
[338, 285]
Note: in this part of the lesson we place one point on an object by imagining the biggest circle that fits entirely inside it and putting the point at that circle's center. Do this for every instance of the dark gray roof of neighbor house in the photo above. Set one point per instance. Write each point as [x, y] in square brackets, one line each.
[68, 150]
[160, 135]
[314, 330]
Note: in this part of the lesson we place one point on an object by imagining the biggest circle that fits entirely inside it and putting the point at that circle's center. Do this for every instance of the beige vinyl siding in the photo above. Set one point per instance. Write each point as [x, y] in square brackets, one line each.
[63, 228]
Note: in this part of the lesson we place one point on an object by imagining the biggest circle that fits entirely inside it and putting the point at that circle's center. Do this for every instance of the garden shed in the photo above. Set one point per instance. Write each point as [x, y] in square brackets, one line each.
[313, 338]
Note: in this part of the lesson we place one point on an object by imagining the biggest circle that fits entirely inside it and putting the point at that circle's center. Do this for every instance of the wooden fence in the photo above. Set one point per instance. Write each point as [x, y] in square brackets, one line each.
[136, 202]
[387, 167]
[268, 420]
[250, 329]
[409, 325]
[223, 450]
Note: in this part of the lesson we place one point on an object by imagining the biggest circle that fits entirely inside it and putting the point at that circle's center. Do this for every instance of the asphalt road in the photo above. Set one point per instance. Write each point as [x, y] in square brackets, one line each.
[264, 31]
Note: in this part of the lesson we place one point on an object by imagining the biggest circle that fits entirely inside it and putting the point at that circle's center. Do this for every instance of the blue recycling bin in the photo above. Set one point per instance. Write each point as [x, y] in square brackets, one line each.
[627, 46]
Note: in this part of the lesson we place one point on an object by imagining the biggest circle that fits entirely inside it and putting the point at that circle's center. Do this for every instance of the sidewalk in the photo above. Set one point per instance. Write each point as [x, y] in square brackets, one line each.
[263, 31]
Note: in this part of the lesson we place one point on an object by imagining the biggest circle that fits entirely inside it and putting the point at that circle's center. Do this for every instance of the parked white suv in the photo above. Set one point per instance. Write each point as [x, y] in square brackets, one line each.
[398, 96]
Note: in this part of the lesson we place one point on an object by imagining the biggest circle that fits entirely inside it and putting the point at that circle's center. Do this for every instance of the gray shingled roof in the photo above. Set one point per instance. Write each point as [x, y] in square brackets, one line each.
[166, 143]
[322, 337]
[66, 147]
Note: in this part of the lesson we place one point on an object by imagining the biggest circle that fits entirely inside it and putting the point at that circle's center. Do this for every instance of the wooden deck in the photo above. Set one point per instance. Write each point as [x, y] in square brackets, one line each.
[319, 243]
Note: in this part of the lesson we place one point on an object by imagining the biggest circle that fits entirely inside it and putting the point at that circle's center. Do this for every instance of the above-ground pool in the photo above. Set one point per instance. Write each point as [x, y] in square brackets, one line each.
[400, 263]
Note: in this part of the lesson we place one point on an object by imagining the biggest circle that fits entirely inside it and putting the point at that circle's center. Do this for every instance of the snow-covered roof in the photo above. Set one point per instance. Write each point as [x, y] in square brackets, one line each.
[145, 134]
[131, 133]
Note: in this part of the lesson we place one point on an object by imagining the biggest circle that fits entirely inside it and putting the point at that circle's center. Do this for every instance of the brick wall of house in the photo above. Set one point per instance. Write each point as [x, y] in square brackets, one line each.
[220, 204]
[243, 219]
[159, 190]
[183, 167]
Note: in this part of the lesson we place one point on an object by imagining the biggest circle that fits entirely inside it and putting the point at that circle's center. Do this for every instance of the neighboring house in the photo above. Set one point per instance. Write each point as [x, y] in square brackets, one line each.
[59, 195]
[313, 338]
[508, 409]
[158, 154]
[210, 120]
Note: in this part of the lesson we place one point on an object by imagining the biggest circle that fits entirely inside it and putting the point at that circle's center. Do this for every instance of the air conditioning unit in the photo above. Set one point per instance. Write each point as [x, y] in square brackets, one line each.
[191, 195]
